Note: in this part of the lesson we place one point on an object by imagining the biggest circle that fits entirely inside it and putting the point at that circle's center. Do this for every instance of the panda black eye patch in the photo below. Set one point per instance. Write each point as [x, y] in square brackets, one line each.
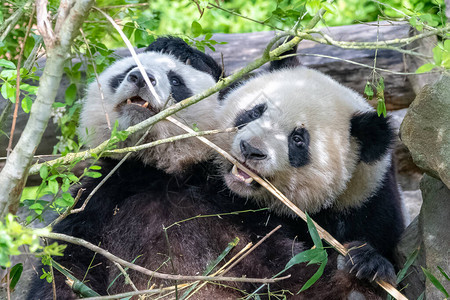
[178, 88]
[250, 115]
[117, 80]
[298, 144]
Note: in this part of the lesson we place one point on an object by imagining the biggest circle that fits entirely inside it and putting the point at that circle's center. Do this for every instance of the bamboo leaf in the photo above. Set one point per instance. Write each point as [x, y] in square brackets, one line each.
[435, 282]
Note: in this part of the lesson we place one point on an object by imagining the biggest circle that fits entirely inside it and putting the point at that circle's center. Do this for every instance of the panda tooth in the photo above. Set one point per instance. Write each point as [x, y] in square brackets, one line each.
[128, 101]
[145, 105]
[248, 180]
[235, 170]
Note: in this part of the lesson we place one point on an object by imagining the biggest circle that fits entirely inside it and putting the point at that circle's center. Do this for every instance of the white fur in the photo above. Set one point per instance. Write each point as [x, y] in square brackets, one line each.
[171, 157]
[301, 97]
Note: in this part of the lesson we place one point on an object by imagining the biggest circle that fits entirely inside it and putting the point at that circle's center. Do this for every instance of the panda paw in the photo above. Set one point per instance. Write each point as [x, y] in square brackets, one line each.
[365, 262]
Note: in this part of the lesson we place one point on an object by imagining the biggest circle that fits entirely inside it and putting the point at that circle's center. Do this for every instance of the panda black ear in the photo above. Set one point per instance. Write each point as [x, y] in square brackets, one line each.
[188, 55]
[374, 134]
[288, 62]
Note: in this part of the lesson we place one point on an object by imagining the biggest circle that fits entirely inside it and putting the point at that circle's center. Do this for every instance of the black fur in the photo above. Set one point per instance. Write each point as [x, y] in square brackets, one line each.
[299, 150]
[127, 217]
[178, 48]
[179, 90]
[288, 62]
[373, 133]
[378, 223]
[137, 78]
[250, 115]
[117, 80]
[127, 214]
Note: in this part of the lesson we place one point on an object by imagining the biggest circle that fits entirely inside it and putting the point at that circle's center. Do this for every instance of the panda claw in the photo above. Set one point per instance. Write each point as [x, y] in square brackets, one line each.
[129, 101]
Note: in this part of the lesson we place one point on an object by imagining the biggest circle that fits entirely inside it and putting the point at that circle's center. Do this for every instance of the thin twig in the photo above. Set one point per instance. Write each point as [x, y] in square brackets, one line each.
[68, 210]
[386, 45]
[353, 62]
[168, 140]
[252, 248]
[244, 17]
[111, 257]
[19, 63]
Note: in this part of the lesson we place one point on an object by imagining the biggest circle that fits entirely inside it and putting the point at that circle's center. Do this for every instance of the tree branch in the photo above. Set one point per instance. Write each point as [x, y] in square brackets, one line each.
[9, 23]
[14, 175]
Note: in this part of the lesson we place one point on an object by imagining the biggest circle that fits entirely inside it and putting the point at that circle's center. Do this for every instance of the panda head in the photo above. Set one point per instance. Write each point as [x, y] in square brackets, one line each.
[318, 142]
[128, 100]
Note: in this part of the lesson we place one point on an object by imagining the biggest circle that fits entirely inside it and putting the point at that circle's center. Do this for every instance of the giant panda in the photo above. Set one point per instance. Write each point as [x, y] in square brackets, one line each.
[325, 148]
[159, 187]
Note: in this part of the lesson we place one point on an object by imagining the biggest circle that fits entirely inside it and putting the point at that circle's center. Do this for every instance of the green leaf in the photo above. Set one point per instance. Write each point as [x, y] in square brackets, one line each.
[53, 186]
[443, 273]
[381, 107]
[425, 68]
[411, 258]
[368, 90]
[313, 233]
[313, 278]
[437, 55]
[329, 7]
[196, 29]
[72, 177]
[71, 94]
[7, 64]
[37, 207]
[26, 104]
[66, 199]
[14, 275]
[435, 282]
[321, 257]
[8, 91]
[29, 88]
[43, 171]
[128, 29]
[302, 257]
[380, 84]
[93, 174]
[95, 167]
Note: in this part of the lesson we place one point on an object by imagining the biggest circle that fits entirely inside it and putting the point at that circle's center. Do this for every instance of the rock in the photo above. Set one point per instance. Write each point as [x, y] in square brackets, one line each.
[429, 235]
[414, 282]
[408, 174]
[412, 201]
[434, 227]
[426, 129]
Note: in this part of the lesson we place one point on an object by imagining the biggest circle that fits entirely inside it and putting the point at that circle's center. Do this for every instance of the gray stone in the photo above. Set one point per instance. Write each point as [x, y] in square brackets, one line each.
[426, 129]
[408, 174]
[414, 282]
[412, 201]
[434, 227]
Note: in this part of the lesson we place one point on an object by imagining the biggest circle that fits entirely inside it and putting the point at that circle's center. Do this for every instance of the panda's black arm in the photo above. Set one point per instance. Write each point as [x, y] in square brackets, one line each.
[372, 231]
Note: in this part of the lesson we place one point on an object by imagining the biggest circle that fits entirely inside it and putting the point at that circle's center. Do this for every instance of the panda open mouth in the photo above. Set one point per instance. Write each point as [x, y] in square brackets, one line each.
[136, 100]
[241, 175]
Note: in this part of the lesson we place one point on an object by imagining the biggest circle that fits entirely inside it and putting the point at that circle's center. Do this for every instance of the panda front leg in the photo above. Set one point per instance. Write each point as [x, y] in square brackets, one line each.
[365, 262]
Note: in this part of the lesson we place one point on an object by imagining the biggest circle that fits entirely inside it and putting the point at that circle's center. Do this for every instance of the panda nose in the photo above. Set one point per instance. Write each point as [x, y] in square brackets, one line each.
[137, 78]
[251, 152]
